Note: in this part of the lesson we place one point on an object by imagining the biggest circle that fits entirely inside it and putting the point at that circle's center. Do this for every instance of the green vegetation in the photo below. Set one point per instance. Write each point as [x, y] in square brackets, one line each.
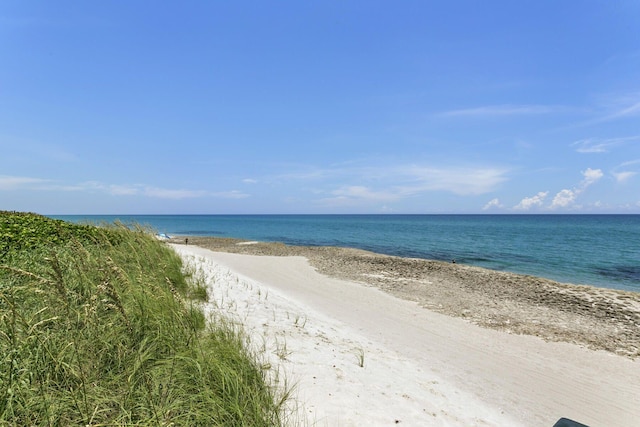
[98, 326]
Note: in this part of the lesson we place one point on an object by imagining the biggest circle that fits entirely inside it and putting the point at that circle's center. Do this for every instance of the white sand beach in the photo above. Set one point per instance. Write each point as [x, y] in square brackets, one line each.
[359, 356]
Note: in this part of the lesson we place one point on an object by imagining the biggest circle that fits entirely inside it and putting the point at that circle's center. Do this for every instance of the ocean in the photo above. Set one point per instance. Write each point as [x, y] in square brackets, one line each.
[599, 250]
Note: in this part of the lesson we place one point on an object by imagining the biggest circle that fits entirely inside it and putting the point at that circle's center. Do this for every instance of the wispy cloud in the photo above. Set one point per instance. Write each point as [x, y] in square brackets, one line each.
[233, 194]
[33, 149]
[8, 182]
[403, 179]
[126, 190]
[174, 194]
[350, 195]
[626, 170]
[313, 173]
[616, 108]
[506, 110]
[625, 111]
[123, 190]
[393, 183]
[625, 176]
[597, 145]
[458, 180]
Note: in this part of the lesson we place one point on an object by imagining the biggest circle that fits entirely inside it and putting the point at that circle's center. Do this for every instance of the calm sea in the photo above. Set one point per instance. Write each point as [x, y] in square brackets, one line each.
[600, 250]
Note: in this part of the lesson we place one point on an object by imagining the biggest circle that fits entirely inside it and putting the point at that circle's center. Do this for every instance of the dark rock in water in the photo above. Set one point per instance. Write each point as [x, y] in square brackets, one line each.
[621, 272]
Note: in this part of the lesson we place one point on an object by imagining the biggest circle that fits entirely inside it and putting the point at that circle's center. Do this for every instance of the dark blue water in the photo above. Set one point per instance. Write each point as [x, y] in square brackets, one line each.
[600, 250]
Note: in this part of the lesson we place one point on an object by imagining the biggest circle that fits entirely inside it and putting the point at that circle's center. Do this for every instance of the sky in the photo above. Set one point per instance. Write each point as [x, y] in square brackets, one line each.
[328, 107]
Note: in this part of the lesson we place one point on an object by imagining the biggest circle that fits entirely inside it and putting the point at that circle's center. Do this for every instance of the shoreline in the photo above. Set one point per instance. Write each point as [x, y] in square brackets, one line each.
[596, 318]
[358, 355]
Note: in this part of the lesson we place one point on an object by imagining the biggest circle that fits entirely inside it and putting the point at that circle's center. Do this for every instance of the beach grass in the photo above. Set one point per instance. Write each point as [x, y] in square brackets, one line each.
[99, 326]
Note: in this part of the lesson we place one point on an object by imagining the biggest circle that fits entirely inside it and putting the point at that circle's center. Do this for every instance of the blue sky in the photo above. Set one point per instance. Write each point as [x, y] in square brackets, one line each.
[142, 107]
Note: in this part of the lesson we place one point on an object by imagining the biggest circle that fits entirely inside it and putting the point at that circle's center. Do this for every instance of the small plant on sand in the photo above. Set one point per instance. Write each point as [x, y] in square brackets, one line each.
[300, 321]
[360, 356]
[281, 350]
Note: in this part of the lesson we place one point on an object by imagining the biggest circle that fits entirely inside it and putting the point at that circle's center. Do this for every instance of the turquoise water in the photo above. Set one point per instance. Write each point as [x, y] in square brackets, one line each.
[600, 250]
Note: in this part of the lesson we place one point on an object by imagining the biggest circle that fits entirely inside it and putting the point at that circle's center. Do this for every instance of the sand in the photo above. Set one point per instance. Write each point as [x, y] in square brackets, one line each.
[378, 349]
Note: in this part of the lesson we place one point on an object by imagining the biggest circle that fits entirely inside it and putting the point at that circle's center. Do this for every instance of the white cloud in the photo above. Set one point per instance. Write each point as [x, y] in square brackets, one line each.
[250, 181]
[619, 108]
[563, 199]
[625, 175]
[165, 193]
[352, 183]
[590, 177]
[630, 163]
[626, 111]
[233, 194]
[493, 203]
[622, 177]
[566, 198]
[36, 184]
[123, 190]
[8, 182]
[130, 190]
[532, 202]
[360, 192]
[596, 145]
[356, 194]
[169, 193]
[457, 180]
[591, 146]
[505, 110]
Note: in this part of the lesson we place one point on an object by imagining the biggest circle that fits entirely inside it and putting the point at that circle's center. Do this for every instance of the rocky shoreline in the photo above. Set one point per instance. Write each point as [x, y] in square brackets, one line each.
[598, 318]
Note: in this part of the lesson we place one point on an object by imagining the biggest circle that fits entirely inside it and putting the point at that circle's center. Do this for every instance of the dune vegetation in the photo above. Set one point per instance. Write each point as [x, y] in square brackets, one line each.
[99, 326]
